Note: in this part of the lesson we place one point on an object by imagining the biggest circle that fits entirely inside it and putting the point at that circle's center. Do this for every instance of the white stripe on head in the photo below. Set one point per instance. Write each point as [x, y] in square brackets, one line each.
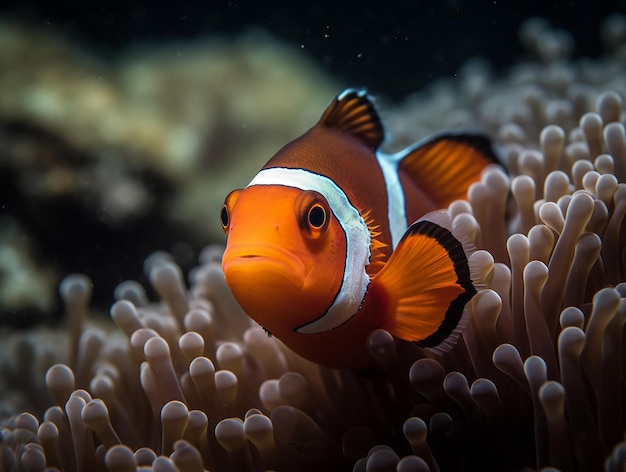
[355, 278]
[395, 197]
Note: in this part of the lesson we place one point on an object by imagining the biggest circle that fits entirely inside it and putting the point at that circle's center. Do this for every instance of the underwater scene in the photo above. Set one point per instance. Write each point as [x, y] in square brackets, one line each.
[449, 296]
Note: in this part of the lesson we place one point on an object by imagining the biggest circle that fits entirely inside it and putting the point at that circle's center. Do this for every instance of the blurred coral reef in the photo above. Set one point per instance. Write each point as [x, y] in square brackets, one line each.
[118, 149]
[189, 383]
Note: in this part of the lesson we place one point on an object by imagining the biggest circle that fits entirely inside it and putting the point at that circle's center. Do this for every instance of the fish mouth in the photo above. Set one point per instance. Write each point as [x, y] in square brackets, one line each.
[264, 264]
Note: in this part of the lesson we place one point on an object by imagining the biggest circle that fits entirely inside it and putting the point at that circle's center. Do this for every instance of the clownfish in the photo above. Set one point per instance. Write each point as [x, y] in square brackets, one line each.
[333, 238]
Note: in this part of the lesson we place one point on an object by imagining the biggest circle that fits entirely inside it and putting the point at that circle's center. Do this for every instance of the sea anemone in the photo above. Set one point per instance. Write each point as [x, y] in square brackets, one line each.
[536, 382]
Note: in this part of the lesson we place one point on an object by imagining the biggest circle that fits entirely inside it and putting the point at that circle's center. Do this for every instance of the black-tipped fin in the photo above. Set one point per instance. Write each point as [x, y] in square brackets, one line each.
[445, 165]
[353, 113]
[428, 281]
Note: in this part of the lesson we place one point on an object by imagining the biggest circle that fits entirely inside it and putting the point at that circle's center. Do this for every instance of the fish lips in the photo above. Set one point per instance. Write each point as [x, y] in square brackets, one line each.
[264, 266]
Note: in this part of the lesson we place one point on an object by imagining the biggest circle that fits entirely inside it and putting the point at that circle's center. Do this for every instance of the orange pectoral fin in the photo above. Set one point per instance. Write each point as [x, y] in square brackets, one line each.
[444, 166]
[428, 282]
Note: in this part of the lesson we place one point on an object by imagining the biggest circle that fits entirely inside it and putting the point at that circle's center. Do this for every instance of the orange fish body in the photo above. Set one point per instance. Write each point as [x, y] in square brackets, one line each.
[320, 251]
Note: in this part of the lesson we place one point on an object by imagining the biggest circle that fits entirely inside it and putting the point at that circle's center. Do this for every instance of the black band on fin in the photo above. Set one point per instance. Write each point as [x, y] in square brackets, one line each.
[446, 164]
[477, 140]
[461, 267]
[353, 113]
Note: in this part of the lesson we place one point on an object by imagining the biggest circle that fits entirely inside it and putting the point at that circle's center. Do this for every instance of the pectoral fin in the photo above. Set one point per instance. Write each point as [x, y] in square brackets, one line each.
[428, 282]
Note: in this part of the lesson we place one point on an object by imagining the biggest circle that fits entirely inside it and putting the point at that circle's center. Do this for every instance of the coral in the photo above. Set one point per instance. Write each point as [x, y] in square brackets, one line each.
[23, 282]
[536, 382]
[116, 147]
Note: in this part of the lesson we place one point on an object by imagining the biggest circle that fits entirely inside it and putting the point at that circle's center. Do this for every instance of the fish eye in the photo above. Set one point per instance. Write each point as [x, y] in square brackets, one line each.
[313, 213]
[317, 216]
[227, 208]
[224, 217]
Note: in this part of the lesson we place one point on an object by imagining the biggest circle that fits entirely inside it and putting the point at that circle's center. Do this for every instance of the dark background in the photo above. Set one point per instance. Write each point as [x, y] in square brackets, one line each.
[393, 48]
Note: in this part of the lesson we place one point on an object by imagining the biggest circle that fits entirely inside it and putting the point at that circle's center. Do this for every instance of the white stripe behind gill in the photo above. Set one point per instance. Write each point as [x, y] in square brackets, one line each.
[355, 278]
[395, 197]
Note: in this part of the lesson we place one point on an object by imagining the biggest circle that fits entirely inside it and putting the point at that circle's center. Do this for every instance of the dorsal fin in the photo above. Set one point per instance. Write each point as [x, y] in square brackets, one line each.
[353, 113]
[445, 165]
